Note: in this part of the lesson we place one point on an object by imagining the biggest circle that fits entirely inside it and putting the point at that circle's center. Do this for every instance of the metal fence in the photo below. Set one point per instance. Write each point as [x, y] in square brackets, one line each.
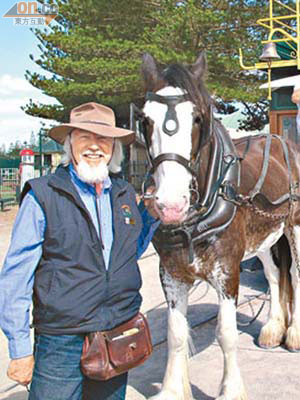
[9, 182]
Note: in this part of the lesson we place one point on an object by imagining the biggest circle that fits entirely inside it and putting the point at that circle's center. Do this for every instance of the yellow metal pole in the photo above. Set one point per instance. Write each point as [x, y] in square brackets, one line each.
[271, 14]
[269, 82]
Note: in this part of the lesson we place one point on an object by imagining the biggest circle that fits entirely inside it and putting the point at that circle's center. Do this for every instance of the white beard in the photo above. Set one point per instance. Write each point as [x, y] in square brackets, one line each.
[92, 174]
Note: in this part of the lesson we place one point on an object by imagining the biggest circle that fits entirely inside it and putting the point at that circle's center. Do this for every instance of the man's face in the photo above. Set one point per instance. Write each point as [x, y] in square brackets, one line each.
[91, 148]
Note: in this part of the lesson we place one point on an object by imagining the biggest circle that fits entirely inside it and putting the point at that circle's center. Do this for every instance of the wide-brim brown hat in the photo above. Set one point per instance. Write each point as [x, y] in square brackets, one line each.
[95, 118]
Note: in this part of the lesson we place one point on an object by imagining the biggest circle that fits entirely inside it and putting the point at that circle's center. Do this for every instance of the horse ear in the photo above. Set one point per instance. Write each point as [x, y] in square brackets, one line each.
[199, 67]
[149, 71]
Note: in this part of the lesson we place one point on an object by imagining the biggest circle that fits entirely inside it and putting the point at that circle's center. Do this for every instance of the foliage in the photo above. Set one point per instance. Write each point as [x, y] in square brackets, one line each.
[93, 52]
[256, 115]
[14, 149]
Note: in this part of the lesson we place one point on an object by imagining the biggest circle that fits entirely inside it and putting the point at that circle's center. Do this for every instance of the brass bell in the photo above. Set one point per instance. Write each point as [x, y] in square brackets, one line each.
[269, 53]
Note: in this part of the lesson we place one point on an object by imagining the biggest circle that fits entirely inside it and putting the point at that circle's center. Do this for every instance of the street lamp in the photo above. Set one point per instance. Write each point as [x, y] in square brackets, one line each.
[41, 134]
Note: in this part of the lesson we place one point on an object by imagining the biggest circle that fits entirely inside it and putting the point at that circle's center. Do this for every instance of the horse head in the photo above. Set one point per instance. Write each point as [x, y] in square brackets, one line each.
[177, 125]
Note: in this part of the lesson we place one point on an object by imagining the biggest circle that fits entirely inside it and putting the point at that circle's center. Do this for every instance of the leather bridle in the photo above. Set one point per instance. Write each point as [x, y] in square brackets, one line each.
[137, 115]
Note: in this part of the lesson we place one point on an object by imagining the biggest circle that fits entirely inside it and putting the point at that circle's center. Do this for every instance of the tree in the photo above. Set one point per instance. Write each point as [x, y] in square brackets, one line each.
[94, 52]
[14, 149]
[2, 150]
[32, 140]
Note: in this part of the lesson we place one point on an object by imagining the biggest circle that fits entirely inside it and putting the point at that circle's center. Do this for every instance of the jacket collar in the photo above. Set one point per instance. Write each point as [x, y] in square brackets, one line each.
[61, 180]
[84, 186]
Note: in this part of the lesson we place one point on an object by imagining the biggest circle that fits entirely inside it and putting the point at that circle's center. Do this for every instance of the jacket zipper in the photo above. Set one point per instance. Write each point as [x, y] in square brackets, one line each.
[100, 235]
[98, 219]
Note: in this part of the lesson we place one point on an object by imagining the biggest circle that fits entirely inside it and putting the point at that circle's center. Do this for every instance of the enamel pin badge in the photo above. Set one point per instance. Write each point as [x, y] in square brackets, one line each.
[127, 215]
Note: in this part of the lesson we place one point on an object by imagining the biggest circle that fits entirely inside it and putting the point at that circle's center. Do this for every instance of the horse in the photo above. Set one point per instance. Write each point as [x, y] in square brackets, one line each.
[219, 203]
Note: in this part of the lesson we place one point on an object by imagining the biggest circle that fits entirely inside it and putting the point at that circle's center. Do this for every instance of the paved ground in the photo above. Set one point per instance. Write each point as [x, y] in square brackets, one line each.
[268, 374]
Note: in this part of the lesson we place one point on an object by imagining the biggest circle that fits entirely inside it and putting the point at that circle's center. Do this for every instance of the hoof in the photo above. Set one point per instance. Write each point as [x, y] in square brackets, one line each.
[264, 347]
[223, 397]
[242, 396]
[292, 342]
[168, 395]
[233, 392]
[271, 335]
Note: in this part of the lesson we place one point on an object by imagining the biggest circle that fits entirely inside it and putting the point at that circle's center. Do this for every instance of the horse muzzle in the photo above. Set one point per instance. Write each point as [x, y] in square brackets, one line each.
[172, 213]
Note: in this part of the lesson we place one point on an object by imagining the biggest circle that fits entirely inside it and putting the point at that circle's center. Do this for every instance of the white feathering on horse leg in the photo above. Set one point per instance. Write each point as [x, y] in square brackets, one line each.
[292, 341]
[176, 385]
[232, 387]
[273, 332]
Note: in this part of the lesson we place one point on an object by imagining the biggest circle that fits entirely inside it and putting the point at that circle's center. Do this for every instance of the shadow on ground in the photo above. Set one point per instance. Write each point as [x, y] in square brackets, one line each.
[15, 396]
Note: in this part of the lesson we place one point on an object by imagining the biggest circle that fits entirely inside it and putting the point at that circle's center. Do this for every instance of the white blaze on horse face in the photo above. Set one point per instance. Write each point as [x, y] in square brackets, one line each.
[171, 178]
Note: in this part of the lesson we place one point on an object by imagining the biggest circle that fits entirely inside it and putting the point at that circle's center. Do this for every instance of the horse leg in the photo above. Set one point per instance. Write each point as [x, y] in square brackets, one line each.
[292, 341]
[273, 332]
[176, 384]
[232, 387]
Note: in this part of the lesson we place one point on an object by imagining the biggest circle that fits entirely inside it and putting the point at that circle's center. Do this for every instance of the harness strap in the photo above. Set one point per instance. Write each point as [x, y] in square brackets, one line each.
[286, 196]
[214, 168]
[246, 149]
[263, 174]
[171, 157]
[255, 192]
[286, 156]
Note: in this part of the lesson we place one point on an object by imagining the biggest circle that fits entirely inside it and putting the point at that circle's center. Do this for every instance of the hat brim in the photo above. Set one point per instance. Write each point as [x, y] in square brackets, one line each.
[59, 133]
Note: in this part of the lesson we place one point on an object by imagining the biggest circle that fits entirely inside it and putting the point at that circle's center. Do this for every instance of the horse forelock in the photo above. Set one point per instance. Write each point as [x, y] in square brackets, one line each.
[180, 76]
[177, 75]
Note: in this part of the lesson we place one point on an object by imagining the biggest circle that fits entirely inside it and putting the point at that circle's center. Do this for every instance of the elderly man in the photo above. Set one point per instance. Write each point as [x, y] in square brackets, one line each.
[75, 245]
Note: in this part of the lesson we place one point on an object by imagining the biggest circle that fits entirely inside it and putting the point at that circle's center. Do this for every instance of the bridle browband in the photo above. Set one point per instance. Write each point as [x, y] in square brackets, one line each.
[171, 102]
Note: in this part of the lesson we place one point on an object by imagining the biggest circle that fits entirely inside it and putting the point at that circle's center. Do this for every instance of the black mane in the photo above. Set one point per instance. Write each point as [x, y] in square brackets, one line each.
[177, 75]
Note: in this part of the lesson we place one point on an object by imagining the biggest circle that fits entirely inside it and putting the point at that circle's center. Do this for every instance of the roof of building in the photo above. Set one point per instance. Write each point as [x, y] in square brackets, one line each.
[26, 152]
[285, 51]
[49, 147]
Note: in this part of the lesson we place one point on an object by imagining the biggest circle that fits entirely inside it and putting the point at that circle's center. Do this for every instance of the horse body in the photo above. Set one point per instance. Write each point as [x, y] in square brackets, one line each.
[253, 228]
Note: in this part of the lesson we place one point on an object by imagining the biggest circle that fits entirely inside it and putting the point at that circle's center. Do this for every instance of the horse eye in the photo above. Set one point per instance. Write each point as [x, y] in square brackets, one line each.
[197, 120]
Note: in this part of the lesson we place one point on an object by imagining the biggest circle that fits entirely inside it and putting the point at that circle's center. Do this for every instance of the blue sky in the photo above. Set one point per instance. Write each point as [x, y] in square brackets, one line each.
[16, 43]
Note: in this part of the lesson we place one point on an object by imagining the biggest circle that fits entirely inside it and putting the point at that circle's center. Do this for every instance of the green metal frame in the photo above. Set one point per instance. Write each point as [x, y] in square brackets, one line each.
[280, 32]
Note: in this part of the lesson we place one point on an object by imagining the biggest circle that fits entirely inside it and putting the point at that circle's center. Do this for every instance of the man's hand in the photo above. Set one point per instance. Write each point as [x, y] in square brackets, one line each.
[149, 203]
[20, 370]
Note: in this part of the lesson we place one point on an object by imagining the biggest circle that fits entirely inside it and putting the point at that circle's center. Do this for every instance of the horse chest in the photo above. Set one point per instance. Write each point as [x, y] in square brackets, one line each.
[205, 262]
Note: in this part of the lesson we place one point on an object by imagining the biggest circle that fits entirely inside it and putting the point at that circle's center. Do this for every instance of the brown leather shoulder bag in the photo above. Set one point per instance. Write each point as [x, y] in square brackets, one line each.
[111, 353]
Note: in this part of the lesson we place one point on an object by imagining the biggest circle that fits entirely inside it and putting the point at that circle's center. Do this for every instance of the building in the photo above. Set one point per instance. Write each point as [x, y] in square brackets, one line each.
[283, 111]
[51, 157]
